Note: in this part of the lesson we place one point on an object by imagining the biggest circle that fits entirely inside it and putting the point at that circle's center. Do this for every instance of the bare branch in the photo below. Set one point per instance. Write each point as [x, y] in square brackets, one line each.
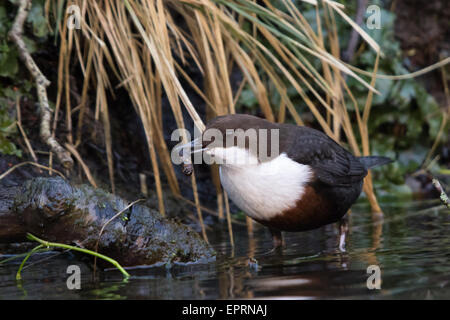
[15, 34]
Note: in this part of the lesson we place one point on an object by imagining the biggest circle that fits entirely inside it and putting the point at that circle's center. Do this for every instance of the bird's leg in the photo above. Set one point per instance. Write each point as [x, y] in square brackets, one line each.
[343, 229]
[277, 238]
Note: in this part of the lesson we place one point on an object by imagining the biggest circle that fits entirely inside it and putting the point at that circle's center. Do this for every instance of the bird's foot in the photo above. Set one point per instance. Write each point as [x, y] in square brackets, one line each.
[252, 264]
[277, 239]
[342, 242]
[343, 230]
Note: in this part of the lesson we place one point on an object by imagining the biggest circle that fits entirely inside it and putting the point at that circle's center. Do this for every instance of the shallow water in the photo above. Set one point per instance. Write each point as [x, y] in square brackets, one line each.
[411, 245]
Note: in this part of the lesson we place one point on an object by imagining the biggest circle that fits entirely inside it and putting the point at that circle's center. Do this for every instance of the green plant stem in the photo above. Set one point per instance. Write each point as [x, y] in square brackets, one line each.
[86, 251]
[18, 275]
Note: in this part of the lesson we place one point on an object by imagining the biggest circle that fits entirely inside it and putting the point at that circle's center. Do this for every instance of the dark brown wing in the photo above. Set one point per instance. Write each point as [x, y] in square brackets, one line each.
[332, 164]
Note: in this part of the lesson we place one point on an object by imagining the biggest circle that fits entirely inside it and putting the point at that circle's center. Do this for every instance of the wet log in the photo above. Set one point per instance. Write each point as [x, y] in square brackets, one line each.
[54, 210]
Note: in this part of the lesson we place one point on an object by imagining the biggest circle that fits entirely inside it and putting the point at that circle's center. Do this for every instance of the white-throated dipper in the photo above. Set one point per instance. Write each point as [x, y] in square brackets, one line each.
[311, 181]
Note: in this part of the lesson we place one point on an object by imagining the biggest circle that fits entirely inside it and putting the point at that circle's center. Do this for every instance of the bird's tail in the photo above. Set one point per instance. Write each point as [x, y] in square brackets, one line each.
[374, 161]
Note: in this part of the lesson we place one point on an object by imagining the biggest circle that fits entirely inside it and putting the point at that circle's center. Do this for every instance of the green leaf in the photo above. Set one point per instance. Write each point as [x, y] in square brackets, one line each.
[8, 148]
[36, 17]
[30, 44]
[248, 98]
[384, 87]
[9, 65]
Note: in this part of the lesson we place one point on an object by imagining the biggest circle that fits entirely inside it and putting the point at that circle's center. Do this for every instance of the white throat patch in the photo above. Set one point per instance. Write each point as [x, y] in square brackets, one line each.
[232, 156]
[264, 190]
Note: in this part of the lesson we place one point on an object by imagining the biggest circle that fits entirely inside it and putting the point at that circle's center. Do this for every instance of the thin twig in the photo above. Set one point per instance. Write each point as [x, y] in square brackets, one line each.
[4, 174]
[24, 135]
[197, 206]
[15, 34]
[230, 226]
[354, 37]
[403, 76]
[86, 170]
[107, 222]
[17, 256]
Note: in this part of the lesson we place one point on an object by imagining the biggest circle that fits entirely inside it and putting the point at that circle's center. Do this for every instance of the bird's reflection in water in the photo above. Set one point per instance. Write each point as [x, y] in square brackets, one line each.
[310, 265]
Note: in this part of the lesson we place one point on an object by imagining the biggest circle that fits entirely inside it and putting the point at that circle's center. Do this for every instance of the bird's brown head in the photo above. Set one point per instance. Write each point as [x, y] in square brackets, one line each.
[231, 130]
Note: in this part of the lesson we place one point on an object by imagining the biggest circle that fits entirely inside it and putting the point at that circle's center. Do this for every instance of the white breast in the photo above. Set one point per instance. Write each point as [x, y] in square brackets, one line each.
[266, 189]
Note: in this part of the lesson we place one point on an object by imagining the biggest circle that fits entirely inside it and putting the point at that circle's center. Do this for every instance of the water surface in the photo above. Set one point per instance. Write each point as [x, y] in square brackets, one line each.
[411, 245]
